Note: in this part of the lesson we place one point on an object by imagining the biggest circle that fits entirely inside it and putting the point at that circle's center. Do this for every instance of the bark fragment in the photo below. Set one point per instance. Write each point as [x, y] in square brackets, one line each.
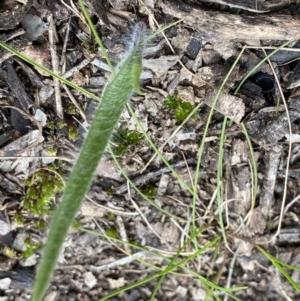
[214, 25]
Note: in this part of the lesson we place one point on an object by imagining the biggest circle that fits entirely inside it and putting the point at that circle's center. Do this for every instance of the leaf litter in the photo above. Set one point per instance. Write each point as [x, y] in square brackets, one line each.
[90, 267]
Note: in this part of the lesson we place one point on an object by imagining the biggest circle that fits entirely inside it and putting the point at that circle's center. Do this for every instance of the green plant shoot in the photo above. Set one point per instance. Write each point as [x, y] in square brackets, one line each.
[136, 73]
[115, 95]
[114, 98]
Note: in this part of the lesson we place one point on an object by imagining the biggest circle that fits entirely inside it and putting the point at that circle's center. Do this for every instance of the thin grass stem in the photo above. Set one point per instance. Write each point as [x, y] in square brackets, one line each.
[48, 71]
[96, 36]
[201, 148]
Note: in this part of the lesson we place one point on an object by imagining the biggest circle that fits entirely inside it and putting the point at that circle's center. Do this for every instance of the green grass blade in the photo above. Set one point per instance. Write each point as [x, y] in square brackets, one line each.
[201, 148]
[201, 278]
[173, 260]
[172, 266]
[259, 64]
[48, 71]
[138, 190]
[162, 29]
[254, 167]
[220, 178]
[114, 98]
[94, 31]
[279, 266]
[158, 152]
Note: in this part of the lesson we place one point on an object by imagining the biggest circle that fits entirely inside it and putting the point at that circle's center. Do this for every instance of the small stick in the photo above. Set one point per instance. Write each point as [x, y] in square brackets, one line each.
[55, 66]
[76, 68]
[123, 233]
[64, 50]
[145, 178]
[74, 102]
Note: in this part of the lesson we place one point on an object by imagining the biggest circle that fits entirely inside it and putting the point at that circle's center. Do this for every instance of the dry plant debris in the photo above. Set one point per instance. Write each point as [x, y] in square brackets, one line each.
[43, 122]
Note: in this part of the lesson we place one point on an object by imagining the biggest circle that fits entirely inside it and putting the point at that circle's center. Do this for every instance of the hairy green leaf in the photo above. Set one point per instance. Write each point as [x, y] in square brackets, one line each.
[114, 98]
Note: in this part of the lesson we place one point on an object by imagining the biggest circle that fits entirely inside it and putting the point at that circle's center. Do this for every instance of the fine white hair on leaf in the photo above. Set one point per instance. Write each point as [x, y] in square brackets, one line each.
[133, 57]
[139, 36]
[138, 39]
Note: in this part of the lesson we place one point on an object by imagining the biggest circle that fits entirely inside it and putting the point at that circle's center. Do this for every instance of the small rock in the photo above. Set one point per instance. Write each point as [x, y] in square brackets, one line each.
[30, 261]
[90, 280]
[186, 93]
[193, 48]
[4, 228]
[41, 117]
[116, 283]
[246, 263]
[5, 283]
[97, 82]
[161, 65]
[107, 168]
[198, 294]
[51, 296]
[34, 25]
[182, 40]
[181, 291]
[45, 92]
[19, 244]
[47, 157]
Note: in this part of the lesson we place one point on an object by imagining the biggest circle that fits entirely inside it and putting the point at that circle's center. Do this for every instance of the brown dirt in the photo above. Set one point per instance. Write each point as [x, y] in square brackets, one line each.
[203, 48]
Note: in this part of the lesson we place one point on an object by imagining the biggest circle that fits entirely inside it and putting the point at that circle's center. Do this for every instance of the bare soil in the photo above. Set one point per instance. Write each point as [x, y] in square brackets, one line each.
[191, 60]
